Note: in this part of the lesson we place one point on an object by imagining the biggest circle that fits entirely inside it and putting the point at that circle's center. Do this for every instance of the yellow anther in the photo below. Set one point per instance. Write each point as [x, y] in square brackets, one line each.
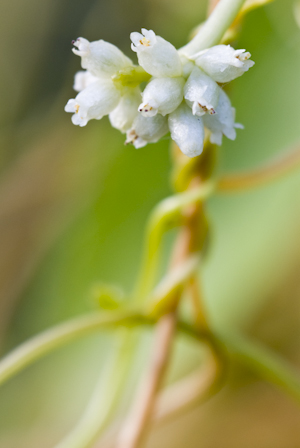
[145, 42]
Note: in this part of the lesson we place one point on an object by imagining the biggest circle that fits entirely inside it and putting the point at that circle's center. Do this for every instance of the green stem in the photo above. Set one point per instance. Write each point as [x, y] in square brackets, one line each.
[38, 346]
[274, 169]
[165, 296]
[166, 214]
[257, 358]
[215, 26]
[262, 361]
[104, 401]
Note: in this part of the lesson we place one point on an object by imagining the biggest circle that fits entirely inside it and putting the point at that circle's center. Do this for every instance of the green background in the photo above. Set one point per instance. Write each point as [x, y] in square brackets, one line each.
[74, 203]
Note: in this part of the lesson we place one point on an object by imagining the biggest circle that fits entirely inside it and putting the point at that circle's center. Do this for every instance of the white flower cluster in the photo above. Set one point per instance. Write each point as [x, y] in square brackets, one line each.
[182, 95]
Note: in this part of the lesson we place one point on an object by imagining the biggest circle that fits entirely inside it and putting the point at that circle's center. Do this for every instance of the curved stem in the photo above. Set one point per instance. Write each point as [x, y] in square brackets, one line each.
[190, 391]
[215, 26]
[164, 215]
[103, 402]
[198, 305]
[276, 168]
[263, 362]
[256, 357]
[38, 346]
[139, 417]
[165, 301]
[164, 298]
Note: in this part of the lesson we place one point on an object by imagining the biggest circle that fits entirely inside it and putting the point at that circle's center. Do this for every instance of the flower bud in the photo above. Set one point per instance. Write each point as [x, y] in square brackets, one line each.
[101, 58]
[147, 130]
[201, 93]
[158, 57]
[82, 79]
[223, 63]
[223, 122]
[123, 115]
[187, 130]
[95, 101]
[162, 95]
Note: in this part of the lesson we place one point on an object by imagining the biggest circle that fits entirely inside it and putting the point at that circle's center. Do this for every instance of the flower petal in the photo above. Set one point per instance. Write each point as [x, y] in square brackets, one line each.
[223, 63]
[100, 58]
[158, 57]
[123, 115]
[147, 130]
[187, 130]
[162, 95]
[95, 101]
[201, 93]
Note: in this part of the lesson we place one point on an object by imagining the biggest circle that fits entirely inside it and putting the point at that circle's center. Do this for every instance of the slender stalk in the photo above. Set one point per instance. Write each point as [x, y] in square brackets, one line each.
[215, 26]
[164, 216]
[189, 392]
[271, 171]
[164, 298]
[259, 359]
[138, 422]
[263, 362]
[139, 418]
[256, 357]
[105, 397]
[198, 304]
[171, 207]
[103, 402]
[38, 346]
[168, 210]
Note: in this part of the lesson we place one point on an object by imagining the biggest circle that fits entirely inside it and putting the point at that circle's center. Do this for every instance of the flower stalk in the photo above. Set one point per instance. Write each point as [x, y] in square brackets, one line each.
[52, 339]
[215, 27]
[182, 96]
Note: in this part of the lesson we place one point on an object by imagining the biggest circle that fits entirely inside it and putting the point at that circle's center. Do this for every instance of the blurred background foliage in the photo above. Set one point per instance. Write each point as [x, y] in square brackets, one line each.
[74, 203]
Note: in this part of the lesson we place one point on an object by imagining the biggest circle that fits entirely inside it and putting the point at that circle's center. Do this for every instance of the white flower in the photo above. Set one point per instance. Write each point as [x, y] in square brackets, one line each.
[123, 115]
[223, 122]
[187, 130]
[95, 101]
[201, 93]
[162, 95]
[100, 58]
[82, 79]
[147, 130]
[157, 56]
[223, 63]
[183, 95]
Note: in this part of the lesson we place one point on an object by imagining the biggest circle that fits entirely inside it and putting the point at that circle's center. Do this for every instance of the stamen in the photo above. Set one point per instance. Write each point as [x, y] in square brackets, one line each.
[146, 108]
[244, 56]
[131, 137]
[145, 42]
[205, 109]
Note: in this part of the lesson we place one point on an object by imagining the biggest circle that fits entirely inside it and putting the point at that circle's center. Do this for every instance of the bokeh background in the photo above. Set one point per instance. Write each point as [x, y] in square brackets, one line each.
[74, 202]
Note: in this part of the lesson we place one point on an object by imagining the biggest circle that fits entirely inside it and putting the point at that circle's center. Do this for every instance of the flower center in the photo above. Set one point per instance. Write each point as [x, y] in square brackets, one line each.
[244, 56]
[145, 42]
[206, 110]
[131, 137]
[146, 108]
